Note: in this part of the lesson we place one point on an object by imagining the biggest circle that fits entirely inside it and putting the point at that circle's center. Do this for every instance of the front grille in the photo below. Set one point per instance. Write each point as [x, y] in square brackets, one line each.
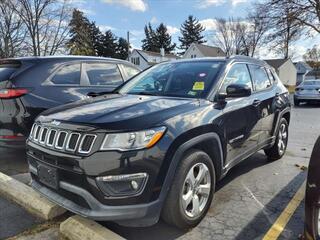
[87, 143]
[62, 140]
[73, 141]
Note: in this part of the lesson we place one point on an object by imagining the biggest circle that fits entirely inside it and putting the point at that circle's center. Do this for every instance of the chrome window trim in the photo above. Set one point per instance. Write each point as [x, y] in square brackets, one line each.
[82, 139]
[57, 139]
[54, 138]
[68, 141]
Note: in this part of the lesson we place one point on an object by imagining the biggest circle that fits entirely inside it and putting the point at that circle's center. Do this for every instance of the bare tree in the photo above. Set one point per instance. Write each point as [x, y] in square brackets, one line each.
[254, 34]
[224, 36]
[12, 32]
[46, 22]
[285, 29]
[312, 57]
[306, 12]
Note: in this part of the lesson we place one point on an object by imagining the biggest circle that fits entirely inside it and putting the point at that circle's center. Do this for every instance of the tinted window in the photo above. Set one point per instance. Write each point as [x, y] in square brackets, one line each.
[130, 71]
[238, 74]
[101, 74]
[181, 79]
[260, 77]
[69, 74]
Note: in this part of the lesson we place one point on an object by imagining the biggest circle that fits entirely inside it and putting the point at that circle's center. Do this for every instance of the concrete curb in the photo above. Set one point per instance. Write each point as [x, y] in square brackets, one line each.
[28, 198]
[77, 227]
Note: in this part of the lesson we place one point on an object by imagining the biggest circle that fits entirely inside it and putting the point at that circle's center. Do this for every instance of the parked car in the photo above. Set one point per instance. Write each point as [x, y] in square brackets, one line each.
[312, 217]
[28, 86]
[307, 91]
[160, 142]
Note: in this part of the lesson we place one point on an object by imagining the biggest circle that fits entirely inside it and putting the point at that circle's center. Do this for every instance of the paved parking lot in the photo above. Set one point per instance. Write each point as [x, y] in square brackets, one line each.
[247, 203]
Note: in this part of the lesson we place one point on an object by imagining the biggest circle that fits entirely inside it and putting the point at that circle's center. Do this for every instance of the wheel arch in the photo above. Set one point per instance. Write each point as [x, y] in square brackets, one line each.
[209, 143]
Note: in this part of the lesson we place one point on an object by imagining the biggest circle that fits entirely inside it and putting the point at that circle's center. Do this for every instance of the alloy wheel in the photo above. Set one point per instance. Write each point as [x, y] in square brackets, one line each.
[282, 138]
[196, 190]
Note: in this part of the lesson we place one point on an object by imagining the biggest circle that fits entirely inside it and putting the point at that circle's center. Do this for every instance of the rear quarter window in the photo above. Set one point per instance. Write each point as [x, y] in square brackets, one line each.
[67, 75]
[7, 68]
[103, 74]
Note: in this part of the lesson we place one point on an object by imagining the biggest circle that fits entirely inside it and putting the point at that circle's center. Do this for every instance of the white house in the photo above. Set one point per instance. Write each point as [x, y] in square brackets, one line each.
[286, 71]
[199, 50]
[145, 59]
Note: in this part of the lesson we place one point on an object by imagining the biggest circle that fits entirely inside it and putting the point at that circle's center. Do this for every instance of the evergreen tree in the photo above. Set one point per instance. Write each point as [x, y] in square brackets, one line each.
[109, 44]
[148, 44]
[80, 42]
[97, 39]
[162, 39]
[191, 31]
[122, 49]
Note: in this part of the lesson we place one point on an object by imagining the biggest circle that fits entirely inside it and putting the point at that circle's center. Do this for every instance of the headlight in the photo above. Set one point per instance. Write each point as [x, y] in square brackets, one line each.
[132, 140]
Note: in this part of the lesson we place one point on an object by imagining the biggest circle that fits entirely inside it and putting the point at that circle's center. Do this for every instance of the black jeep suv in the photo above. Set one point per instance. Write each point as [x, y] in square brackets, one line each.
[158, 144]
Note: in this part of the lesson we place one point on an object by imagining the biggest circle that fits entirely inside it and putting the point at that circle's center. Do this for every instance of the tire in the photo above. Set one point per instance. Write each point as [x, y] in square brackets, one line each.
[296, 102]
[174, 211]
[280, 146]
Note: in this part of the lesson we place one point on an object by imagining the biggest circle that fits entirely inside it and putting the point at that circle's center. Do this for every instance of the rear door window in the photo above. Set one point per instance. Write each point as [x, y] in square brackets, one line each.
[68, 75]
[260, 77]
[103, 74]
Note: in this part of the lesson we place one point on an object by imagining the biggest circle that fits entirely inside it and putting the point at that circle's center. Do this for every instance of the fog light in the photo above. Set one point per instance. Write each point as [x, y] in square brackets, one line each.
[134, 185]
[126, 185]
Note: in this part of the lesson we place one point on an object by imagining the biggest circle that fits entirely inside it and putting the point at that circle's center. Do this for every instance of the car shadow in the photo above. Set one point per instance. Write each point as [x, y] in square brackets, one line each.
[161, 230]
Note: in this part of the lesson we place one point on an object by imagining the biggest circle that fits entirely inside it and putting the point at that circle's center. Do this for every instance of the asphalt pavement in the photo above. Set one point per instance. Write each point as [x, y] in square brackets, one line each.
[247, 203]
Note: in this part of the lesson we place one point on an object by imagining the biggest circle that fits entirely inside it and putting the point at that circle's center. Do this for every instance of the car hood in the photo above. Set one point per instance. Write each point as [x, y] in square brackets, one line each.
[119, 112]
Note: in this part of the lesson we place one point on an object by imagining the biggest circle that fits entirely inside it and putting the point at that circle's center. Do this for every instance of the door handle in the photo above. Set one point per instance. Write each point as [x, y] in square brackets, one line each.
[256, 102]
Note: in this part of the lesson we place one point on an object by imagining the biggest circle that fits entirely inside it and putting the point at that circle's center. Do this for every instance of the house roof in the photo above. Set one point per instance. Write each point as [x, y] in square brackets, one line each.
[276, 63]
[157, 54]
[208, 51]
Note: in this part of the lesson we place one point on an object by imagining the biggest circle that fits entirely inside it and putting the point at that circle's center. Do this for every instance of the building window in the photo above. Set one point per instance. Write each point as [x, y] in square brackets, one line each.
[193, 55]
[135, 60]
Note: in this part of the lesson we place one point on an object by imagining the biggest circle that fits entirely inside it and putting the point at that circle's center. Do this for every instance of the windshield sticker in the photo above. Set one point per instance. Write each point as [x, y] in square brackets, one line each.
[198, 86]
[202, 74]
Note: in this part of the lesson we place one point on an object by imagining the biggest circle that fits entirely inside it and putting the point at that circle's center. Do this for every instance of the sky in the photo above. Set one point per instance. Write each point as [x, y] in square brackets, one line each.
[132, 15]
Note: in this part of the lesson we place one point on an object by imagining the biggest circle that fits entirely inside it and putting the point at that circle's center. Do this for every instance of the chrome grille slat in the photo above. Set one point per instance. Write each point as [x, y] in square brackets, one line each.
[61, 139]
[50, 143]
[43, 135]
[60, 135]
[68, 148]
[91, 144]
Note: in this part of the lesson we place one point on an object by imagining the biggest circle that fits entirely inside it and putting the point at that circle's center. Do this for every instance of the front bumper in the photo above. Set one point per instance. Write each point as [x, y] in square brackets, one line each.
[142, 213]
[78, 188]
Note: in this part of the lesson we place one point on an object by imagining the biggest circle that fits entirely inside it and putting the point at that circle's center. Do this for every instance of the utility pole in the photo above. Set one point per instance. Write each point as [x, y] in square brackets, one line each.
[128, 40]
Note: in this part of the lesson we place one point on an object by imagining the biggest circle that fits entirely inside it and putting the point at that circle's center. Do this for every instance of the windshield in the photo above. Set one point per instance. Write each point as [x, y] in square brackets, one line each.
[179, 79]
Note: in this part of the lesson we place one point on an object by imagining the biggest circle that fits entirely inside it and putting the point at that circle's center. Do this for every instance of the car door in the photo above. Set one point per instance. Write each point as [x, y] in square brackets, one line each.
[265, 98]
[62, 86]
[240, 116]
[100, 77]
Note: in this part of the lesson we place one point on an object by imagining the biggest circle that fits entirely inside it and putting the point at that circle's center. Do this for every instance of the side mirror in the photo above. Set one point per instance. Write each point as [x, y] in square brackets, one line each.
[238, 91]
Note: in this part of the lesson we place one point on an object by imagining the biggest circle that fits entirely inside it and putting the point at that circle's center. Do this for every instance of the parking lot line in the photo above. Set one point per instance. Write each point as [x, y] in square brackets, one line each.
[279, 225]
